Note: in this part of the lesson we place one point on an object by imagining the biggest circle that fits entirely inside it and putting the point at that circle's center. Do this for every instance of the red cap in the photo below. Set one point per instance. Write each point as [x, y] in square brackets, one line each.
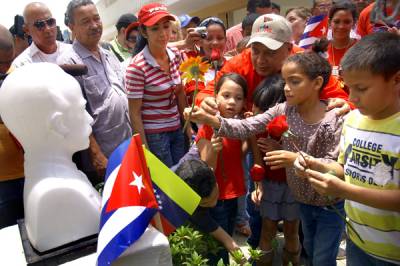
[150, 14]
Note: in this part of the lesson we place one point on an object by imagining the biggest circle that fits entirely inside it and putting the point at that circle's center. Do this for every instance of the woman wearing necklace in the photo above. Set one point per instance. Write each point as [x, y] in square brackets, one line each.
[342, 17]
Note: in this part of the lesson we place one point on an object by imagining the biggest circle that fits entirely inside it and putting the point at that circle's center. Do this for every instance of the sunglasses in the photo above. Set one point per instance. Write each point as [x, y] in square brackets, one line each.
[41, 24]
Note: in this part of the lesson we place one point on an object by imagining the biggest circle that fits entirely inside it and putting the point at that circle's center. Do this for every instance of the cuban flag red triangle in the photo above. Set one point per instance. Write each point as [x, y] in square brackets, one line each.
[132, 186]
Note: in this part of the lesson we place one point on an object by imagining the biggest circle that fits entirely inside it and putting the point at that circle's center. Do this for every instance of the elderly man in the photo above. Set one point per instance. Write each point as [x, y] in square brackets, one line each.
[11, 156]
[42, 27]
[102, 86]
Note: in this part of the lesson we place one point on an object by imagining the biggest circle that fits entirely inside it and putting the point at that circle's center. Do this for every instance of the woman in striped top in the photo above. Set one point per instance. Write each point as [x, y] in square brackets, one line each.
[153, 85]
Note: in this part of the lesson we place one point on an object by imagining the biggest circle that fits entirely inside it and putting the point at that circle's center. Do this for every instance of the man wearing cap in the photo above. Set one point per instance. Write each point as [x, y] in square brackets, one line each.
[103, 87]
[188, 22]
[42, 27]
[122, 45]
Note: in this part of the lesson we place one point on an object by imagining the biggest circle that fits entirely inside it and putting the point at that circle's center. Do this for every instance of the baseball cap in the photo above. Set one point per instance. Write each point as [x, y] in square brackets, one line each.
[185, 19]
[272, 30]
[125, 20]
[150, 14]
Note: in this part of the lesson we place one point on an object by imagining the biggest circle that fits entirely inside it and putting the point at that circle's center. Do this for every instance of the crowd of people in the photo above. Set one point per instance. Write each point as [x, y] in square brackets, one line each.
[340, 97]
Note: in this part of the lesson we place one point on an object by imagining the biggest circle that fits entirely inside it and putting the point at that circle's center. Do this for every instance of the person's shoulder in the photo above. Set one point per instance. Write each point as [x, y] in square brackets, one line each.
[365, 13]
[234, 29]
[240, 61]
[68, 56]
[23, 58]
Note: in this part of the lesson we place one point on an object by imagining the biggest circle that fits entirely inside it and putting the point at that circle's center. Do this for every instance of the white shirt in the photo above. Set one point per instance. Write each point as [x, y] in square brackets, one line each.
[33, 54]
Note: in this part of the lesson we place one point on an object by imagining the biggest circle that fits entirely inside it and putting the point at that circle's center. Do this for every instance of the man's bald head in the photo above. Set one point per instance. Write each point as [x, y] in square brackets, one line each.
[41, 26]
[6, 49]
[32, 9]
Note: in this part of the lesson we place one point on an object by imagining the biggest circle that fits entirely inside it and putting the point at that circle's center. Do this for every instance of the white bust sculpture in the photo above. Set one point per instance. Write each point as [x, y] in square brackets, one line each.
[45, 110]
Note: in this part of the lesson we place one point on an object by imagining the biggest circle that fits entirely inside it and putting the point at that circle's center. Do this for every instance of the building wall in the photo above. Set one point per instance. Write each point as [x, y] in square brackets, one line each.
[230, 11]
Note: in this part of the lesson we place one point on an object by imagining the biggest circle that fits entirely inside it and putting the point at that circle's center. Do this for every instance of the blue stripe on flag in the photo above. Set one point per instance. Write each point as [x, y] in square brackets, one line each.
[116, 157]
[315, 19]
[170, 210]
[128, 235]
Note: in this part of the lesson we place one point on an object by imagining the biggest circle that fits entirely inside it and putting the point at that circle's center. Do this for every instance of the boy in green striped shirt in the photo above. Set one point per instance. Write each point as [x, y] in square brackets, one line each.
[367, 173]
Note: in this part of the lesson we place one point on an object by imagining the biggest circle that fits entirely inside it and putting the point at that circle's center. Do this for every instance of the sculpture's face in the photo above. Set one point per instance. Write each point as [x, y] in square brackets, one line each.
[78, 122]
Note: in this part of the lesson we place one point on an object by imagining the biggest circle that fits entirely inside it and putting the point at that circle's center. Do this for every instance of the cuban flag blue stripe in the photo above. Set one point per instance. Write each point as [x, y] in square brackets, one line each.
[169, 209]
[116, 157]
[105, 216]
[129, 234]
[315, 19]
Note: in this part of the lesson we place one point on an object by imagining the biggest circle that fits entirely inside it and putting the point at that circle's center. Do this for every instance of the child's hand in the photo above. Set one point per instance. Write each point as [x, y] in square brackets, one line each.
[216, 143]
[301, 164]
[209, 105]
[266, 145]
[326, 184]
[279, 159]
[197, 116]
[248, 114]
[257, 194]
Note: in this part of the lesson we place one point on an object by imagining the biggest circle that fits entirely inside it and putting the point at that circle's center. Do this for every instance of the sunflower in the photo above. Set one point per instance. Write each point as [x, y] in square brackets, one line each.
[193, 69]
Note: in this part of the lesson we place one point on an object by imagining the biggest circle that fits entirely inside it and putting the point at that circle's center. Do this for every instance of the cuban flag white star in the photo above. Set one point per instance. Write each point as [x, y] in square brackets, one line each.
[137, 182]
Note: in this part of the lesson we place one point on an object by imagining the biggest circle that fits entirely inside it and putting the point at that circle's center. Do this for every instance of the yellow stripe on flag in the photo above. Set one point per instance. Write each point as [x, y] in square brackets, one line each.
[171, 184]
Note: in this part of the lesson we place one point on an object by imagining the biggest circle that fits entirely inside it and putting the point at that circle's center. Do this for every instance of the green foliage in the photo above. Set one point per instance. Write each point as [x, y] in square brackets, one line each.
[190, 247]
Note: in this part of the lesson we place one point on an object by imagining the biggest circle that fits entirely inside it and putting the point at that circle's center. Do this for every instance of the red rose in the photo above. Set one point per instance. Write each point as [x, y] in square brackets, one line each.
[257, 173]
[215, 54]
[277, 126]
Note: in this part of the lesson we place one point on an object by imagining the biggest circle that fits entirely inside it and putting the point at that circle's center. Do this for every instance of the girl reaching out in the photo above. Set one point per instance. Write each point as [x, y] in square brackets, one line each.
[315, 130]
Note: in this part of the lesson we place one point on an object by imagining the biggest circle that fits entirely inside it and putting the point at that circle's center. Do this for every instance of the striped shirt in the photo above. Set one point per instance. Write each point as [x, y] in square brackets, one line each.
[370, 153]
[145, 80]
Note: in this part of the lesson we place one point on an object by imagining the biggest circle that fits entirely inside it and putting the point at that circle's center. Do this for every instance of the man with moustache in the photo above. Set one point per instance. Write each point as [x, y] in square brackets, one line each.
[103, 87]
[42, 27]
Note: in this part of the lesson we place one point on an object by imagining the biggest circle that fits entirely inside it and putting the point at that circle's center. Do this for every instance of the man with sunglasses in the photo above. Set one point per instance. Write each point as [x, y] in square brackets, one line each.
[103, 87]
[42, 27]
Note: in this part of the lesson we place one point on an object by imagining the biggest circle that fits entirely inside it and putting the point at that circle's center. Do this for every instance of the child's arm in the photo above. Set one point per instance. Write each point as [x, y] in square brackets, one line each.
[209, 150]
[225, 239]
[327, 184]
[257, 156]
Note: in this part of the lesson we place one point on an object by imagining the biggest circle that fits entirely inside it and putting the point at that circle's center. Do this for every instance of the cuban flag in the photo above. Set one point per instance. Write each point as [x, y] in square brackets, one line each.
[316, 28]
[138, 185]
[128, 202]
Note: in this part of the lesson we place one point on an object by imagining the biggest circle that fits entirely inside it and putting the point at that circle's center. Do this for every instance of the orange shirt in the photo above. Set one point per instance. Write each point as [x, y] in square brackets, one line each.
[11, 156]
[364, 25]
[336, 55]
[242, 65]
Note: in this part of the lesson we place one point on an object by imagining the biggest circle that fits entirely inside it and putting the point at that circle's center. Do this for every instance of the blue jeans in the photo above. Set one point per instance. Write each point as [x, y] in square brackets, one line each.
[169, 147]
[322, 229]
[255, 220]
[224, 213]
[242, 216]
[11, 201]
[356, 256]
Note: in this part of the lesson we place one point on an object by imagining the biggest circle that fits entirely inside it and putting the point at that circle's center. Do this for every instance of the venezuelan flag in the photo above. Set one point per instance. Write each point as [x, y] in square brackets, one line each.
[177, 201]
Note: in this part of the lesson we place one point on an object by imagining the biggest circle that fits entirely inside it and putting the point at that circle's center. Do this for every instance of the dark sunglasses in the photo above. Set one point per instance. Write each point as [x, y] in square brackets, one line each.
[41, 24]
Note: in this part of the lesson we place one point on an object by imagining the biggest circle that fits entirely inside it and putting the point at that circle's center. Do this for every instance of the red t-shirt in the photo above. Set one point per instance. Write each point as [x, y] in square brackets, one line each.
[364, 25]
[231, 183]
[335, 55]
[242, 65]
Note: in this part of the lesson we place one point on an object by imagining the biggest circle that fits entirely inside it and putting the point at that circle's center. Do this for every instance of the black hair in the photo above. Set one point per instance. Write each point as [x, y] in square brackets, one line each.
[377, 53]
[249, 19]
[141, 41]
[345, 5]
[238, 79]
[269, 92]
[276, 6]
[253, 4]
[211, 21]
[313, 65]
[198, 176]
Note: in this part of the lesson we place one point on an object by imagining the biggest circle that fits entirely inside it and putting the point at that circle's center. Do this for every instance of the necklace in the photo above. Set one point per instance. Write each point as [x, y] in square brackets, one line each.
[333, 51]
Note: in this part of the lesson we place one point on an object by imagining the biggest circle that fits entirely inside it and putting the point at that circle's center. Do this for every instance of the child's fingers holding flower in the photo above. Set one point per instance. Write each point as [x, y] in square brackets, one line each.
[279, 159]
[196, 115]
[326, 184]
[267, 145]
[209, 105]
